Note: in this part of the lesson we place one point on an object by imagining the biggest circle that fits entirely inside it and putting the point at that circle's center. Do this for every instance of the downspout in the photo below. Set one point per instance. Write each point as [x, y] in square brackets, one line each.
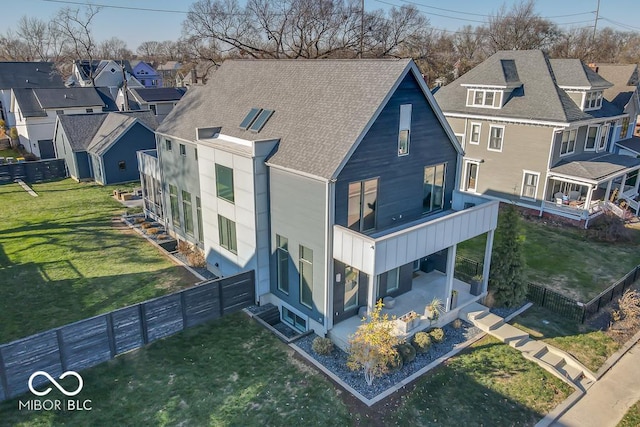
[328, 247]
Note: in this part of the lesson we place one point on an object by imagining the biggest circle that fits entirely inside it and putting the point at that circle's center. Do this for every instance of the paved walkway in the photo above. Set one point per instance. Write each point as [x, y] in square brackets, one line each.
[606, 401]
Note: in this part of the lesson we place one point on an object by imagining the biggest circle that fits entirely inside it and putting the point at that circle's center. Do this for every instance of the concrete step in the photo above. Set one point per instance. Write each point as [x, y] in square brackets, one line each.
[488, 321]
[529, 346]
[551, 359]
[471, 311]
[508, 334]
[570, 372]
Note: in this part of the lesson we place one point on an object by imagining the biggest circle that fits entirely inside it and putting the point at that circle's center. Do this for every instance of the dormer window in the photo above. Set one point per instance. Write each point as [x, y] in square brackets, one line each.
[593, 100]
[484, 98]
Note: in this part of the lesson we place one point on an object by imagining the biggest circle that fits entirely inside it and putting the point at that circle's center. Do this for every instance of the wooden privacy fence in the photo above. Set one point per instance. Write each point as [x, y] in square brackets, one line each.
[42, 170]
[91, 341]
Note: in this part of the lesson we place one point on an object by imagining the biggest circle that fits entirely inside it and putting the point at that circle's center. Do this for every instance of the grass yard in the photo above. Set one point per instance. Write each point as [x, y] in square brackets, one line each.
[590, 346]
[632, 417]
[491, 385]
[564, 259]
[63, 258]
[10, 153]
[230, 372]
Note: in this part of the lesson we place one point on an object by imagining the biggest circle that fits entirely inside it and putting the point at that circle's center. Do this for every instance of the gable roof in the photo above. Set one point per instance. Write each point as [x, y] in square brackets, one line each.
[625, 82]
[538, 98]
[574, 73]
[97, 132]
[28, 75]
[321, 107]
[158, 94]
[96, 66]
[34, 102]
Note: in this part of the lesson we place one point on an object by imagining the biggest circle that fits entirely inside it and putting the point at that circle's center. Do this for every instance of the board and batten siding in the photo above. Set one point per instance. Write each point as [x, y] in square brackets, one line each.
[400, 178]
[524, 147]
[299, 213]
[137, 138]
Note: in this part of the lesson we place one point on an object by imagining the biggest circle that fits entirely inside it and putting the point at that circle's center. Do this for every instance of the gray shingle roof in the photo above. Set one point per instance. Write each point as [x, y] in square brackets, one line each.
[70, 97]
[623, 77]
[595, 167]
[28, 103]
[110, 130]
[632, 144]
[158, 94]
[573, 72]
[81, 128]
[321, 106]
[28, 75]
[539, 97]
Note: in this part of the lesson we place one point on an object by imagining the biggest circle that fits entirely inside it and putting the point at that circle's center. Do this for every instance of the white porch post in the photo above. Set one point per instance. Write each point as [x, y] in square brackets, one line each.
[486, 267]
[451, 265]
[624, 179]
[608, 192]
[637, 182]
[371, 292]
[587, 200]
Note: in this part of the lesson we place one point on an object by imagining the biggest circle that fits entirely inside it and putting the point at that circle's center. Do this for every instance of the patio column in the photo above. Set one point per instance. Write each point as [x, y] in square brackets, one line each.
[624, 179]
[608, 192]
[371, 293]
[451, 266]
[486, 267]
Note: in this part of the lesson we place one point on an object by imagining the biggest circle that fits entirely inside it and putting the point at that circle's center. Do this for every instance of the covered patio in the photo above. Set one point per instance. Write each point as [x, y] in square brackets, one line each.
[424, 288]
[586, 186]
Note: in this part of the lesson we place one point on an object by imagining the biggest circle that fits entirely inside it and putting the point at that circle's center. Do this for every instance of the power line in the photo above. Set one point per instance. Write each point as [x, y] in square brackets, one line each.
[109, 6]
[435, 14]
[629, 27]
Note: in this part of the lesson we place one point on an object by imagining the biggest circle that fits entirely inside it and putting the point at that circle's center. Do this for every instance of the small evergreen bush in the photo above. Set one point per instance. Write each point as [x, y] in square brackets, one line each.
[322, 346]
[437, 335]
[407, 352]
[421, 342]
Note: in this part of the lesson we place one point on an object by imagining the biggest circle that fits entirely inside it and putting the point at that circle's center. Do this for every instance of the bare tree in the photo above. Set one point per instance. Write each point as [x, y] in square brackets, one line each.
[149, 50]
[114, 48]
[75, 28]
[520, 28]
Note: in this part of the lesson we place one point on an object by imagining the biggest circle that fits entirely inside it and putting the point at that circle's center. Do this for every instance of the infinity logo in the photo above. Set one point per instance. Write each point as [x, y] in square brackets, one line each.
[55, 383]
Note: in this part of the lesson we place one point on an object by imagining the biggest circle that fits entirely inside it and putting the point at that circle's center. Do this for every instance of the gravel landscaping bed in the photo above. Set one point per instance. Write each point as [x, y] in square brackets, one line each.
[504, 311]
[337, 361]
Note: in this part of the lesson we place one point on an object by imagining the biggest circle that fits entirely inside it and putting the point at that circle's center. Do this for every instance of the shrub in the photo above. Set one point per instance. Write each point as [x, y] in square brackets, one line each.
[457, 324]
[395, 363]
[437, 335]
[195, 258]
[421, 342]
[629, 304]
[162, 237]
[609, 228]
[139, 220]
[153, 230]
[322, 346]
[146, 225]
[407, 352]
[184, 247]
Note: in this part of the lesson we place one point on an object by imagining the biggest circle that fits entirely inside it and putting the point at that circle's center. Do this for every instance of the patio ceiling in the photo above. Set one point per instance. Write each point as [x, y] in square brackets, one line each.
[595, 167]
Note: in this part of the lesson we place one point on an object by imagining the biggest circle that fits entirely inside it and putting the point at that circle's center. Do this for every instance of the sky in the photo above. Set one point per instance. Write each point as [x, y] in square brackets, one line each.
[136, 26]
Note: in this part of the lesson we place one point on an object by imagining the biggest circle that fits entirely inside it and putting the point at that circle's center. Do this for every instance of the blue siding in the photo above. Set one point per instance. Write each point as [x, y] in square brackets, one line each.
[135, 139]
[82, 168]
[400, 179]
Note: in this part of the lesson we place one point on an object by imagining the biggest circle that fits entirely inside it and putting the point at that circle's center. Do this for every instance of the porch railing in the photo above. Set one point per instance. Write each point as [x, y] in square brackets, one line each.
[466, 268]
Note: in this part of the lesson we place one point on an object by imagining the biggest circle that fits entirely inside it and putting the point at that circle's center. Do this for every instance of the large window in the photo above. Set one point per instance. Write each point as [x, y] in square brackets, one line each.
[227, 234]
[593, 100]
[363, 197]
[568, 143]
[604, 135]
[175, 209]
[404, 130]
[475, 133]
[471, 177]
[224, 183]
[433, 188]
[351, 285]
[590, 141]
[306, 276]
[530, 185]
[199, 215]
[187, 211]
[496, 133]
[624, 128]
[483, 98]
[282, 266]
[393, 280]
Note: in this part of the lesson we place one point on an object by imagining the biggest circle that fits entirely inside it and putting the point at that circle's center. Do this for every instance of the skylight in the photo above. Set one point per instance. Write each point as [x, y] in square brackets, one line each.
[261, 120]
[250, 118]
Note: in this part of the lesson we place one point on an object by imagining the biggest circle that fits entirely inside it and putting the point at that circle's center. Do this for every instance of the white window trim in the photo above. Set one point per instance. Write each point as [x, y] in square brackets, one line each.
[295, 311]
[568, 153]
[501, 139]
[524, 174]
[465, 179]
[604, 131]
[598, 105]
[406, 111]
[595, 142]
[497, 94]
[471, 141]
[462, 135]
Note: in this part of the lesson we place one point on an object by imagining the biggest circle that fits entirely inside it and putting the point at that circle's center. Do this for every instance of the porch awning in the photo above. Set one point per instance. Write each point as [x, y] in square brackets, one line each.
[595, 167]
[631, 144]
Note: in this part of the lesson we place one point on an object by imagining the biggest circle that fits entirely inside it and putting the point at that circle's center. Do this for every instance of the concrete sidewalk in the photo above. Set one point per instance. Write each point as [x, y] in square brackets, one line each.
[607, 400]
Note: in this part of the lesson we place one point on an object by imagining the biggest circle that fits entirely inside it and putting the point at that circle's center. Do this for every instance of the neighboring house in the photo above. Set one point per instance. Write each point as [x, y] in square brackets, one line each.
[36, 110]
[169, 71]
[540, 133]
[189, 78]
[102, 73]
[24, 75]
[334, 180]
[102, 146]
[159, 100]
[146, 74]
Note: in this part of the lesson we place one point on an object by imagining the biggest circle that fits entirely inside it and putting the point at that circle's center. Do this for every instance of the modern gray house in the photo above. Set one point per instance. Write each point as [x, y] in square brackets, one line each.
[334, 180]
[542, 133]
[102, 146]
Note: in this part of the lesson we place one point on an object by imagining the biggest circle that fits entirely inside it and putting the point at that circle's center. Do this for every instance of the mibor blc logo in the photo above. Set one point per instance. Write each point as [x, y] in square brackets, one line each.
[56, 404]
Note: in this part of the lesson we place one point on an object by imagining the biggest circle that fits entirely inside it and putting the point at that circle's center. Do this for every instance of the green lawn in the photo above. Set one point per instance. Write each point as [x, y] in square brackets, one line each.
[491, 384]
[591, 347]
[564, 259]
[62, 258]
[632, 418]
[230, 372]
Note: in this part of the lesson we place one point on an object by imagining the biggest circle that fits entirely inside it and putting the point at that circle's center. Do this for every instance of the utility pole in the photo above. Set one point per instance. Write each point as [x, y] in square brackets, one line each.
[362, 28]
[595, 24]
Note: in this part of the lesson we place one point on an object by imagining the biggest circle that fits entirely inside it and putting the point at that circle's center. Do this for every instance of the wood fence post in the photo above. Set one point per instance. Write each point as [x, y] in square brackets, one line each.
[143, 323]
